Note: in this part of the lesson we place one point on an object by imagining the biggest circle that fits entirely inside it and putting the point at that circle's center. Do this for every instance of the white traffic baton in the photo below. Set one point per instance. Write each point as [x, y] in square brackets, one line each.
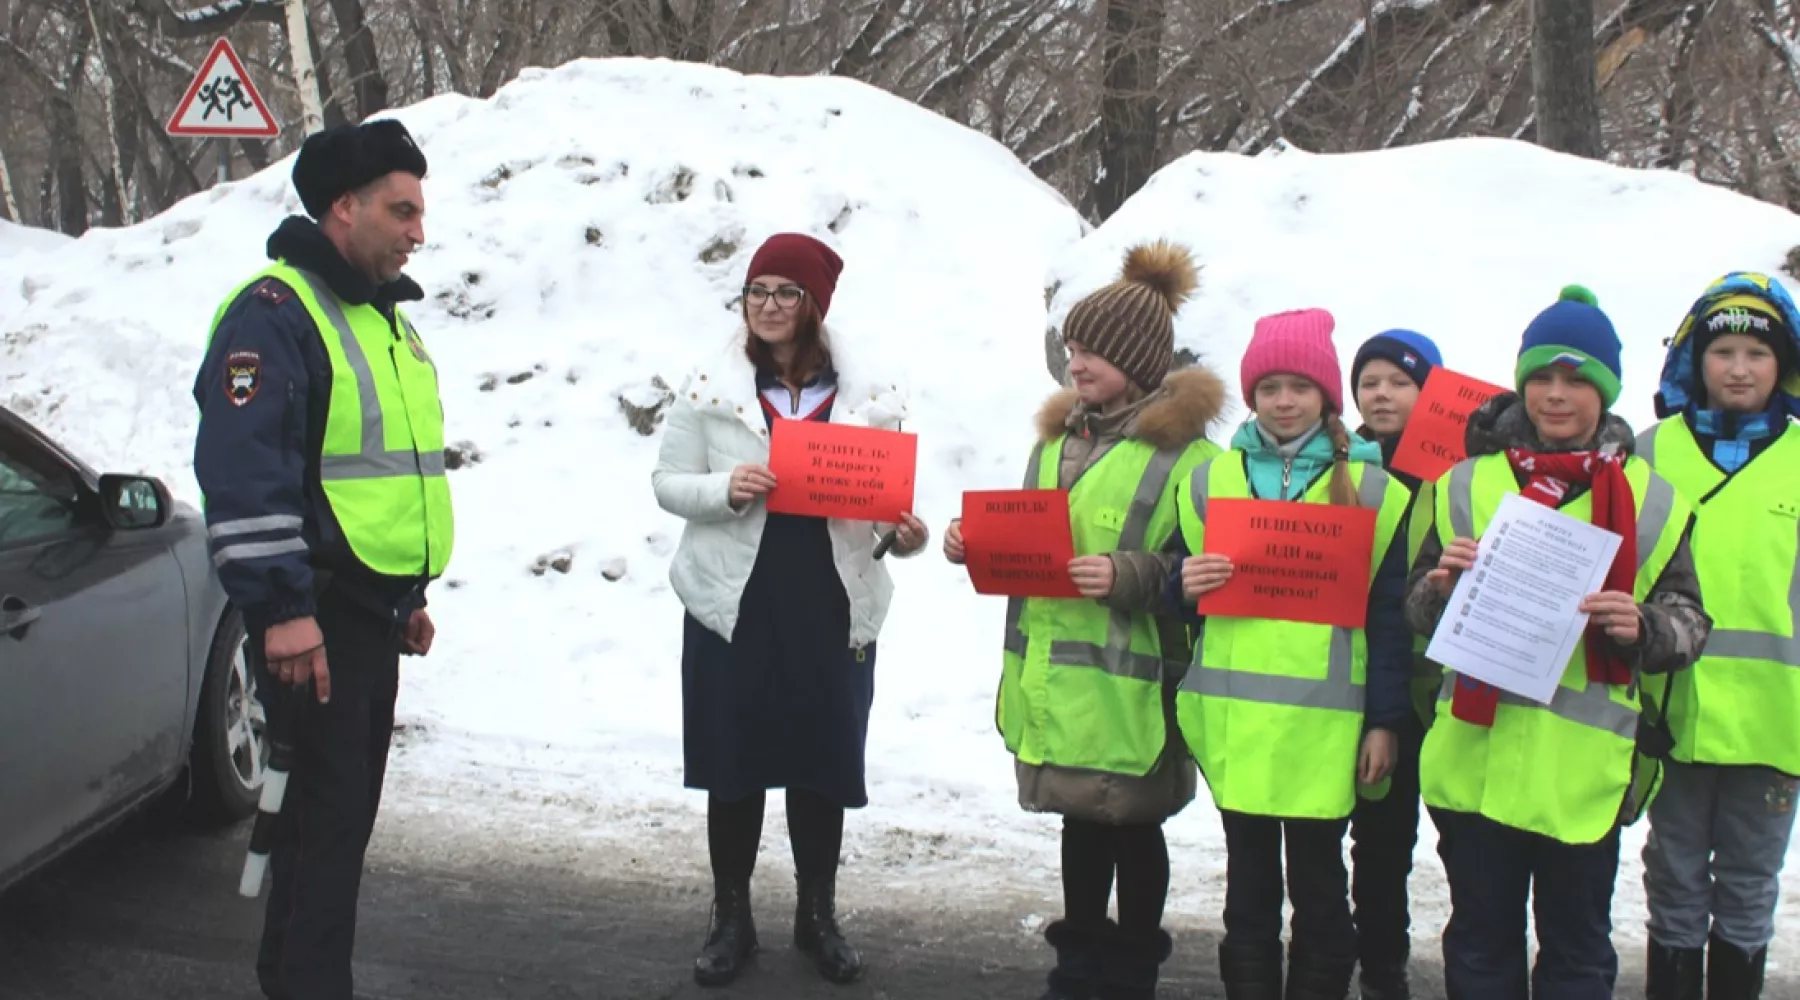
[275, 778]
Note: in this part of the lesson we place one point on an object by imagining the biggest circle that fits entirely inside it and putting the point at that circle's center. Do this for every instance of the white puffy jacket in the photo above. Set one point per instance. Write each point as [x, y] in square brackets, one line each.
[715, 425]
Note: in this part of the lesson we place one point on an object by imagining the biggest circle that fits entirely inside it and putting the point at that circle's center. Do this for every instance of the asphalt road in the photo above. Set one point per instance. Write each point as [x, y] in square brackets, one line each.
[151, 911]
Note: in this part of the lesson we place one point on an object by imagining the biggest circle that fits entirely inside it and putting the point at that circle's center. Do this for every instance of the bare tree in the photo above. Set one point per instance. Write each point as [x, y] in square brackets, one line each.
[1564, 77]
[1129, 105]
[1091, 96]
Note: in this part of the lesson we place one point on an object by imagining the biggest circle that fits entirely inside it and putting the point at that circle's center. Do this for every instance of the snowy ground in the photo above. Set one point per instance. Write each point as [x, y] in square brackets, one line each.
[587, 230]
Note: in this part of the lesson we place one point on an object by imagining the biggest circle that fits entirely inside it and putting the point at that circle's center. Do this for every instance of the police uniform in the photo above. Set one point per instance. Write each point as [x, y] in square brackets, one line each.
[320, 455]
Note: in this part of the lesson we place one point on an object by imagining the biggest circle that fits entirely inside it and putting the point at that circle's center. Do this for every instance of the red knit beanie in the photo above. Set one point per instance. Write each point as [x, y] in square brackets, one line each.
[803, 260]
[1294, 343]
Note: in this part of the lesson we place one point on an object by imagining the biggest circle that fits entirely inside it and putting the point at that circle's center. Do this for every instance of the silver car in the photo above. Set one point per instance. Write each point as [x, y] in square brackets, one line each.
[122, 669]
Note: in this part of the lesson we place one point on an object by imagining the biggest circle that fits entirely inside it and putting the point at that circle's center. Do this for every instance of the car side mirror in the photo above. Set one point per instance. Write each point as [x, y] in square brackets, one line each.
[134, 502]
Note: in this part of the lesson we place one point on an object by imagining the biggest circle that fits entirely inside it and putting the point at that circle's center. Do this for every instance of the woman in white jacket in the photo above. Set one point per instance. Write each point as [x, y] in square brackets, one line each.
[778, 642]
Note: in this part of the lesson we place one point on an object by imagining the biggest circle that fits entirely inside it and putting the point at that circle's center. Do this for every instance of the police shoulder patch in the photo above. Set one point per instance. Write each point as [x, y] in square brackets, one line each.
[272, 291]
[243, 376]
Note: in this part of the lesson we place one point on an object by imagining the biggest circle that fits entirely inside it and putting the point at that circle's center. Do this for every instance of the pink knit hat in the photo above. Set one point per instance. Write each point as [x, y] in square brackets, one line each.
[1294, 343]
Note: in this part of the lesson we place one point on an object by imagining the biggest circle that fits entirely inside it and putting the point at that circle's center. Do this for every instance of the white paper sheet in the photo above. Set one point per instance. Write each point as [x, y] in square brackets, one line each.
[1513, 621]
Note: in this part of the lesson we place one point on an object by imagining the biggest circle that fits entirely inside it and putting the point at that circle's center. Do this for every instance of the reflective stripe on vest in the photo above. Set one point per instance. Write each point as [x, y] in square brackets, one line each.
[1592, 706]
[374, 460]
[1081, 683]
[1426, 675]
[1569, 770]
[391, 505]
[1116, 657]
[1272, 736]
[1740, 703]
[1339, 690]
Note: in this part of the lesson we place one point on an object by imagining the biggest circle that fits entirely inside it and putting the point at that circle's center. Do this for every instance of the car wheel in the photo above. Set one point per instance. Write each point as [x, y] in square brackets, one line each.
[229, 753]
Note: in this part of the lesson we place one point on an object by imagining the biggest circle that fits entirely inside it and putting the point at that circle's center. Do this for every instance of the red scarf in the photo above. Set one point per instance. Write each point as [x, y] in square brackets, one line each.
[1550, 479]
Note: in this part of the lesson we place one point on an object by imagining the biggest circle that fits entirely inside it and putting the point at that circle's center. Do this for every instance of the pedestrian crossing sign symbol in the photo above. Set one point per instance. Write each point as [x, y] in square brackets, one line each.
[221, 100]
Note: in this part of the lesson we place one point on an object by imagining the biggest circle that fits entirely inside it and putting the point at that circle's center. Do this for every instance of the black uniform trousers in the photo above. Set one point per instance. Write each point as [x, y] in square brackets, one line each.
[1317, 884]
[1494, 872]
[1383, 835]
[328, 812]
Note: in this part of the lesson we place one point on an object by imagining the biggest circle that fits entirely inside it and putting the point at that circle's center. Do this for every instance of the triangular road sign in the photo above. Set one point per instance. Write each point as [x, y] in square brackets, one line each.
[222, 101]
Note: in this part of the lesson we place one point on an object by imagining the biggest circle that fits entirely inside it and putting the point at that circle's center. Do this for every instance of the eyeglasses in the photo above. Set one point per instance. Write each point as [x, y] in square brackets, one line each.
[787, 296]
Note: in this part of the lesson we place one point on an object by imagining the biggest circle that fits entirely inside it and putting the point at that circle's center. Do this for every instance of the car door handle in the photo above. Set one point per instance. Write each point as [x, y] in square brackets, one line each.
[16, 616]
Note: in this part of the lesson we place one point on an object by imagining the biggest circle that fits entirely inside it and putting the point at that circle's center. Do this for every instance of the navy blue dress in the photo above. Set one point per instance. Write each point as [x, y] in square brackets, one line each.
[785, 703]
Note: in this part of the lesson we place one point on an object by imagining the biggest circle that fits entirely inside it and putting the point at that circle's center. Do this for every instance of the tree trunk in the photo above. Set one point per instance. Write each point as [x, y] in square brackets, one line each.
[427, 56]
[71, 183]
[1129, 101]
[1679, 101]
[9, 202]
[331, 110]
[1563, 77]
[306, 78]
[366, 80]
[116, 210]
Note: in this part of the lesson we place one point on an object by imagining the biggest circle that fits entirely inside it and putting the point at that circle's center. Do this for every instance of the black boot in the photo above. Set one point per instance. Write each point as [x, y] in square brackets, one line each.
[1131, 963]
[1673, 973]
[732, 938]
[1313, 978]
[1384, 981]
[816, 931]
[1731, 972]
[1250, 973]
[1077, 972]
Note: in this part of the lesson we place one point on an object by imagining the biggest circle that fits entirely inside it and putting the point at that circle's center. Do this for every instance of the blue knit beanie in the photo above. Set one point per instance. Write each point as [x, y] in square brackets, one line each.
[1412, 353]
[1573, 334]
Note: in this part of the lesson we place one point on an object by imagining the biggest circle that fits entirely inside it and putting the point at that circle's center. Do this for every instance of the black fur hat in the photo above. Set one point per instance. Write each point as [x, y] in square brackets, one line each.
[338, 160]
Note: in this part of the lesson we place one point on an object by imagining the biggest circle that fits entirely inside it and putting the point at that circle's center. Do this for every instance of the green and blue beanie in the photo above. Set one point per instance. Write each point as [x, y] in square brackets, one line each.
[1575, 335]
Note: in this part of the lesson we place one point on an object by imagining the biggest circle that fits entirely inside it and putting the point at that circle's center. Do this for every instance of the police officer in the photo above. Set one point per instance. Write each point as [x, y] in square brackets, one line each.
[321, 458]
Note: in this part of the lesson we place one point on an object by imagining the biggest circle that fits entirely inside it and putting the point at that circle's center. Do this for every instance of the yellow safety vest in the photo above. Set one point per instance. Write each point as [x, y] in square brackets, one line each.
[1273, 710]
[1081, 683]
[381, 464]
[1740, 704]
[1427, 677]
[1569, 770]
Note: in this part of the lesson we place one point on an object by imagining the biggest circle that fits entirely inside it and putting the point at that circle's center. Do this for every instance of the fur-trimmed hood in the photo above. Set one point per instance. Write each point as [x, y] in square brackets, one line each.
[1175, 415]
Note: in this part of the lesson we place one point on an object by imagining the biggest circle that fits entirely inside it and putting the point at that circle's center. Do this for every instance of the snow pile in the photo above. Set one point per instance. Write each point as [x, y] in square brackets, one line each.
[588, 229]
[17, 243]
[17, 240]
[1464, 241]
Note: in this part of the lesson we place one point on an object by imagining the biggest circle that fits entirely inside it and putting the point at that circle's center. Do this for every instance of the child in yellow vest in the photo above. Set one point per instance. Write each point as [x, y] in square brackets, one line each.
[1720, 827]
[1287, 718]
[1086, 695]
[1530, 797]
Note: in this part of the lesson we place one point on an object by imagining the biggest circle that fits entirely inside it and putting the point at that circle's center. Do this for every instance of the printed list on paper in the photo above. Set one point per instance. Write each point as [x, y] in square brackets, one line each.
[1513, 621]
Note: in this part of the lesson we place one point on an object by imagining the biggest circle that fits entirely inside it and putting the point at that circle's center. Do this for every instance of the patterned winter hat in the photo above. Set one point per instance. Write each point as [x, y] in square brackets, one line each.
[1131, 322]
[1740, 302]
[1573, 334]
